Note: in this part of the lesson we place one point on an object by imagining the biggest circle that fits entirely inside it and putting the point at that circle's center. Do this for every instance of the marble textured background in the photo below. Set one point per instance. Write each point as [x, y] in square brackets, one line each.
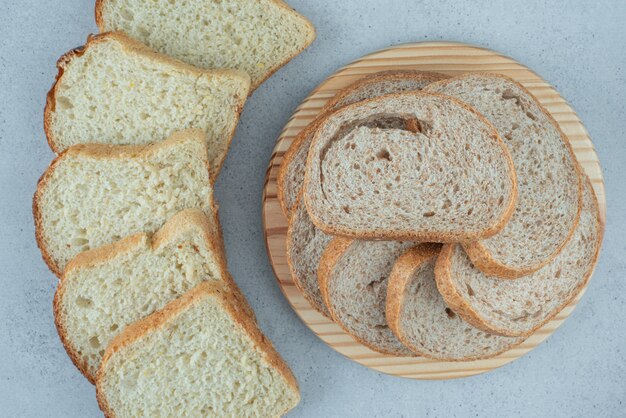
[578, 46]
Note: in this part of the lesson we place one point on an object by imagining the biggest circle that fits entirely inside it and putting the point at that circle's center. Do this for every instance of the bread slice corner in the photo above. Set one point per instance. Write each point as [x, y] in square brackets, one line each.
[206, 348]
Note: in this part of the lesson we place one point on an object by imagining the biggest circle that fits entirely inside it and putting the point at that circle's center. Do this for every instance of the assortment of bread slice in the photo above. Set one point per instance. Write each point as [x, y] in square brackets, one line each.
[437, 216]
[141, 118]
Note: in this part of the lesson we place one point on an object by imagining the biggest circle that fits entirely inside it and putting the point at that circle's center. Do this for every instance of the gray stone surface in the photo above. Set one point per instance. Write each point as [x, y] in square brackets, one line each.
[580, 47]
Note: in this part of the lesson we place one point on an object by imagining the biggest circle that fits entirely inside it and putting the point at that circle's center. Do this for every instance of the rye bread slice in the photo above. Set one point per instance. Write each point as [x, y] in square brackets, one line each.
[519, 307]
[446, 177]
[305, 245]
[549, 184]
[353, 281]
[291, 173]
[419, 317]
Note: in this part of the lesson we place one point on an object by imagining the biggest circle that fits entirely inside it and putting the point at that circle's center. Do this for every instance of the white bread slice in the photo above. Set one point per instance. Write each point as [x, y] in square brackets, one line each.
[92, 194]
[255, 36]
[419, 317]
[115, 90]
[519, 307]
[446, 177]
[305, 246]
[548, 177]
[353, 281]
[199, 356]
[291, 173]
[105, 289]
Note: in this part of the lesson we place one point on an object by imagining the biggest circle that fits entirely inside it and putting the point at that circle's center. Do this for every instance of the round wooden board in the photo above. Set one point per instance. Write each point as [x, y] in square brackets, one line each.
[449, 58]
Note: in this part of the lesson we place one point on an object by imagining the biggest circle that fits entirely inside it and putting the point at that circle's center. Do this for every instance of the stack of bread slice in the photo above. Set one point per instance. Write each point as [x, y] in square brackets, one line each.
[142, 117]
[438, 216]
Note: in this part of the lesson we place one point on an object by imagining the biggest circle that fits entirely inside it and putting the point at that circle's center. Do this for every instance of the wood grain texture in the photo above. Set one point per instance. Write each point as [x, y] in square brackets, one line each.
[449, 58]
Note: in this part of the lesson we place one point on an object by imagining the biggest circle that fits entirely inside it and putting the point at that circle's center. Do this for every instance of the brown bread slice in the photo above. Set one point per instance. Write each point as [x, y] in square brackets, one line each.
[549, 201]
[305, 245]
[518, 307]
[291, 173]
[200, 356]
[419, 317]
[353, 280]
[446, 177]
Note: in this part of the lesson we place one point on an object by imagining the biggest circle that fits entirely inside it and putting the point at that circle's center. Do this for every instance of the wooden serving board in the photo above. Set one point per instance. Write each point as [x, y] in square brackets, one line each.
[449, 58]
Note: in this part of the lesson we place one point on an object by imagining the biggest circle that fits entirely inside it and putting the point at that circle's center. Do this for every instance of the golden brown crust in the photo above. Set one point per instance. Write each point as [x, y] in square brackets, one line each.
[401, 275]
[138, 48]
[381, 76]
[331, 256]
[478, 253]
[412, 235]
[99, 15]
[99, 151]
[459, 305]
[160, 319]
[296, 279]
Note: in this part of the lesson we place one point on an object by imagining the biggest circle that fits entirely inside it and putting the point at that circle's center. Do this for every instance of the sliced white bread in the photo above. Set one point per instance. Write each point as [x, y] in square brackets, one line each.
[93, 195]
[105, 289]
[445, 177]
[519, 307]
[353, 280]
[549, 201]
[255, 36]
[419, 317]
[305, 245]
[291, 173]
[199, 356]
[115, 90]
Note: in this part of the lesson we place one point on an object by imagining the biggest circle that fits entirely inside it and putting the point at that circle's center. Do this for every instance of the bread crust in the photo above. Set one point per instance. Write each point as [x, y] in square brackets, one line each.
[399, 279]
[136, 47]
[99, 151]
[459, 305]
[330, 107]
[412, 235]
[287, 160]
[178, 225]
[331, 256]
[312, 34]
[477, 252]
[381, 76]
[296, 279]
[160, 319]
